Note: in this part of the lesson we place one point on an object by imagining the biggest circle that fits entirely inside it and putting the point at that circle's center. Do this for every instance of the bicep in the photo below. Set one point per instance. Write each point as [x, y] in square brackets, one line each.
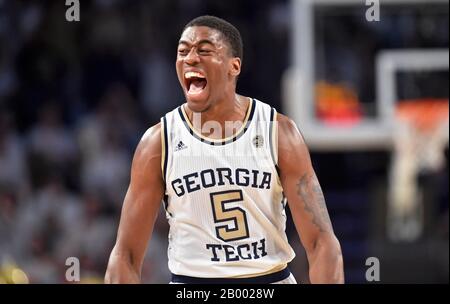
[301, 186]
[142, 200]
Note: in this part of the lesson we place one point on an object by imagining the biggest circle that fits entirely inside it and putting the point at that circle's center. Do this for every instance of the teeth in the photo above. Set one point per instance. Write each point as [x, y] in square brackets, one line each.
[189, 75]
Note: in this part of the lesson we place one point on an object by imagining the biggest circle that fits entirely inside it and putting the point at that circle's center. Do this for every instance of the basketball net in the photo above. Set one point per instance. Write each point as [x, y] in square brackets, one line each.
[420, 137]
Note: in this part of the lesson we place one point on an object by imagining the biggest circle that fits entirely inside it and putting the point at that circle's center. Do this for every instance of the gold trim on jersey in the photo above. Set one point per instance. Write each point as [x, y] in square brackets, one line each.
[163, 148]
[252, 104]
[274, 135]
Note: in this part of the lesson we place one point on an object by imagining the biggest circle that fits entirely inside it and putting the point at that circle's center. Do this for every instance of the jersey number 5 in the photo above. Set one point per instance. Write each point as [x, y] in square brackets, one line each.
[221, 213]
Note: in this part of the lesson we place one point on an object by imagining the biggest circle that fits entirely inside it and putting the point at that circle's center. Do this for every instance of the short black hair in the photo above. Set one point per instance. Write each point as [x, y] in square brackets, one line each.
[229, 32]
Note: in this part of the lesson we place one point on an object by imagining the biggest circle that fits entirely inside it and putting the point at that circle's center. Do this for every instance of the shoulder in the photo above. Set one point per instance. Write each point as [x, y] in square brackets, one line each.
[292, 148]
[288, 132]
[286, 123]
[146, 165]
[150, 144]
[152, 132]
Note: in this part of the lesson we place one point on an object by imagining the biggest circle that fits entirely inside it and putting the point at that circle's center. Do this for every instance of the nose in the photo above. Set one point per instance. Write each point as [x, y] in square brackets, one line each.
[192, 58]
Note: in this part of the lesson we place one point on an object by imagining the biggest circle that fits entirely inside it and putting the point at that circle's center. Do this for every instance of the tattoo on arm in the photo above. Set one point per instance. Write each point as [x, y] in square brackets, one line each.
[308, 189]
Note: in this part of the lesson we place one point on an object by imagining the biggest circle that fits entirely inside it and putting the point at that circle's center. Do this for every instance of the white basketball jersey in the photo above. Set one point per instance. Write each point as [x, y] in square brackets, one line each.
[224, 199]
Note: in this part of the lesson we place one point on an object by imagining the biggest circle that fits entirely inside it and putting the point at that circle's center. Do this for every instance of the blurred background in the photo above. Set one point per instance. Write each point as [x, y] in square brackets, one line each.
[371, 99]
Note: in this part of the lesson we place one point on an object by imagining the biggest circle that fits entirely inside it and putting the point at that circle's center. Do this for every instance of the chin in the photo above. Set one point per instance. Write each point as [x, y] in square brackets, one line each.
[197, 106]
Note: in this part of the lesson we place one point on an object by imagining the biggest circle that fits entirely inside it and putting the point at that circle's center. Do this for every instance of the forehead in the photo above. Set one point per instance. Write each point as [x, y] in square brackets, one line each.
[195, 34]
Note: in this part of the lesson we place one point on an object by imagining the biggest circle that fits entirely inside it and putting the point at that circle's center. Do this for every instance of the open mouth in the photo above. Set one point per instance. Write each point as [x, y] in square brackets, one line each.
[195, 82]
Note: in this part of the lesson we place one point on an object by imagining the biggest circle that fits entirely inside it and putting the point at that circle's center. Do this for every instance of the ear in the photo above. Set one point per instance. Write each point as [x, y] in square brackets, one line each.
[235, 66]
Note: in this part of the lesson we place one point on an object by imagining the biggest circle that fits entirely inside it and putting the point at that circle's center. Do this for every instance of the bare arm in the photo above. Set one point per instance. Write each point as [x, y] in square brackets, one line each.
[139, 211]
[307, 205]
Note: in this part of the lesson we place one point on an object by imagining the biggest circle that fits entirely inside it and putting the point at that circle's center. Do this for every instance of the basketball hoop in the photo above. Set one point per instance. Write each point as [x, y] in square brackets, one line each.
[420, 137]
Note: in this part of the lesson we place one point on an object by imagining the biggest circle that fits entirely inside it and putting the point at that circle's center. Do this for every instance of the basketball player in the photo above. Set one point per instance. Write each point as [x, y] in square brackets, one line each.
[224, 191]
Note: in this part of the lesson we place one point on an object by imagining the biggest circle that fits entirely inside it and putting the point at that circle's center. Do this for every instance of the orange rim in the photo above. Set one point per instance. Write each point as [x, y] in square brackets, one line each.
[424, 114]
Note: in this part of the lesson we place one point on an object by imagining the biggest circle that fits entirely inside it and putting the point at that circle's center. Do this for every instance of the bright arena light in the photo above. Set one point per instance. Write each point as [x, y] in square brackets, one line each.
[18, 276]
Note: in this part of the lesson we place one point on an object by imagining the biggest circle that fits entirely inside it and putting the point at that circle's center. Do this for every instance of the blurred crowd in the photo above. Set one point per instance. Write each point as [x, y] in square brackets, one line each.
[75, 97]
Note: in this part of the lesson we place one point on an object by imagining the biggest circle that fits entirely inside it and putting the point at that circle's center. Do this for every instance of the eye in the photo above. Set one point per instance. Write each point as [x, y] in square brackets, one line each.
[183, 51]
[204, 51]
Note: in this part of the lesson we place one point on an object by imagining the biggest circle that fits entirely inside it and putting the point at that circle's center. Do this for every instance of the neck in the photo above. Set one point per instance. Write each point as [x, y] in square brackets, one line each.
[222, 119]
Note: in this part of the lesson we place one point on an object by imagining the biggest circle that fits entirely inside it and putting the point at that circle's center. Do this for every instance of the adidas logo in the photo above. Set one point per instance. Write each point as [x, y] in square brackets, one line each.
[180, 146]
[258, 141]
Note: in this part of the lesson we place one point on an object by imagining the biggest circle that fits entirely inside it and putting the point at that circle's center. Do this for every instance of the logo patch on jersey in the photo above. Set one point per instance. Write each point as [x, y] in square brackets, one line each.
[258, 141]
[180, 146]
